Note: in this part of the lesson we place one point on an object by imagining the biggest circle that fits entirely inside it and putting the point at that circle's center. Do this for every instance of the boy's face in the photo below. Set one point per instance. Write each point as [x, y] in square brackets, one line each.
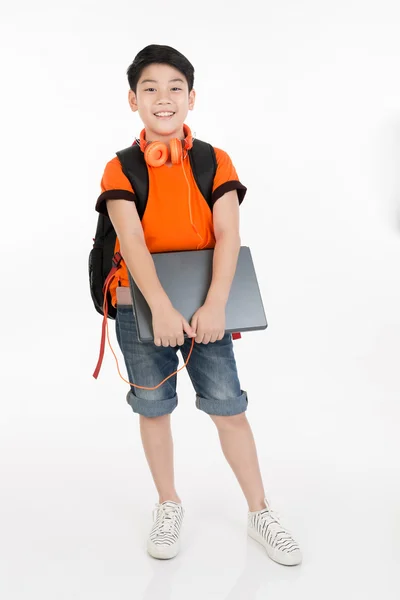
[163, 100]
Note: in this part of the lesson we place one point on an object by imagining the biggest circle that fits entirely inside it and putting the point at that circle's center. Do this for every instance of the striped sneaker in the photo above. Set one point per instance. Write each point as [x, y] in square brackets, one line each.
[264, 527]
[163, 541]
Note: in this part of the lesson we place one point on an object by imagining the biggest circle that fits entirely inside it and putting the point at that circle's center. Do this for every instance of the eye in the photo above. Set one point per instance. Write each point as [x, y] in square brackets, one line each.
[149, 90]
[177, 88]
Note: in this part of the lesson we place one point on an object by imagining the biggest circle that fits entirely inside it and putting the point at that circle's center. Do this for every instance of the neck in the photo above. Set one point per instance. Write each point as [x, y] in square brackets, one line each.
[152, 136]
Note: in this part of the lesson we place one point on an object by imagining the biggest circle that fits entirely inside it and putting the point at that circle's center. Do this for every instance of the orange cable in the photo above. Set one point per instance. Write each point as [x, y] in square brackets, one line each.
[142, 387]
[190, 204]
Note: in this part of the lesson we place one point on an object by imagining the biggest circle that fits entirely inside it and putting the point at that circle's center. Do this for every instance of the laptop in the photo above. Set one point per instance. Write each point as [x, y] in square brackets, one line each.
[186, 277]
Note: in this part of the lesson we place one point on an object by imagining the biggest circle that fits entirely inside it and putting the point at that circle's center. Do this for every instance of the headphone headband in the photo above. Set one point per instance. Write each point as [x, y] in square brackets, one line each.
[187, 142]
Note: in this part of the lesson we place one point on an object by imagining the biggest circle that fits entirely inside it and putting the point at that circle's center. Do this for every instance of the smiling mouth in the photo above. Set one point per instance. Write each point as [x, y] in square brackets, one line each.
[164, 114]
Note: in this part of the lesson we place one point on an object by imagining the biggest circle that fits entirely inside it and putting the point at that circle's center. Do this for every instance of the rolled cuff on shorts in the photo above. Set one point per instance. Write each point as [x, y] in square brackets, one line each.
[151, 408]
[223, 408]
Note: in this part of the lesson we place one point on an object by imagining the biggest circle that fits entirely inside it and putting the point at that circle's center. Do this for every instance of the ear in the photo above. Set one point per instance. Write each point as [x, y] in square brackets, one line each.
[132, 100]
[192, 98]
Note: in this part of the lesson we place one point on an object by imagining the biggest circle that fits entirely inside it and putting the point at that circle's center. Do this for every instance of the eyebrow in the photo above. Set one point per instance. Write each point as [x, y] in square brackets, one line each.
[154, 80]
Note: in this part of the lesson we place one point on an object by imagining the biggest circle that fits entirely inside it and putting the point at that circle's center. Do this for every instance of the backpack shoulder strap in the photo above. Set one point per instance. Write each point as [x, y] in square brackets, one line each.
[204, 166]
[135, 169]
[202, 161]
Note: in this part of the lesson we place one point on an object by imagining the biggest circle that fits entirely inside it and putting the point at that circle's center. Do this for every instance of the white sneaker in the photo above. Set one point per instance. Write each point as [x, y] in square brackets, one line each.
[163, 541]
[264, 527]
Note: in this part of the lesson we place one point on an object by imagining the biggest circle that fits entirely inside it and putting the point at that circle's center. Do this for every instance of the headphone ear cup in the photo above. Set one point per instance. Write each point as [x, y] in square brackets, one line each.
[188, 142]
[156, 154]
[176, 151]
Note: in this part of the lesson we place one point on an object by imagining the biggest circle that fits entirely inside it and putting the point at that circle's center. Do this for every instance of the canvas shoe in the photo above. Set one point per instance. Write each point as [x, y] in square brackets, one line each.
[163, 541]
[264, 527]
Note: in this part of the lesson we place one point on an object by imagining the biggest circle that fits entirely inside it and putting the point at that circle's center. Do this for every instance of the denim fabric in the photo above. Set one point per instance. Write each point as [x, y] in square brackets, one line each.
[211, 368]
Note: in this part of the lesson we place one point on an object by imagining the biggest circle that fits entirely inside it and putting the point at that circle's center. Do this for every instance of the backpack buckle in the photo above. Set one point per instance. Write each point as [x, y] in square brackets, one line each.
[116, 260]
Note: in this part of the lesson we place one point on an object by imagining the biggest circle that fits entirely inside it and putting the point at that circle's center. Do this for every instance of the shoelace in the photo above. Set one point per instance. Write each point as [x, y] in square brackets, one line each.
[273, 514]
[166, 515]
[278, 538]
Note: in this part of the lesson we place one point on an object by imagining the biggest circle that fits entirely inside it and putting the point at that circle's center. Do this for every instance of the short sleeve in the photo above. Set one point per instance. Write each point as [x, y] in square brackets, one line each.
[226, 178]
[114, 186]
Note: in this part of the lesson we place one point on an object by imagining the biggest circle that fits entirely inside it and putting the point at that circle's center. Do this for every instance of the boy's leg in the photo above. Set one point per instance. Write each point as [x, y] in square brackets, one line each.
[158, 447]
[238, 446]
[147, 365]
[212, 369]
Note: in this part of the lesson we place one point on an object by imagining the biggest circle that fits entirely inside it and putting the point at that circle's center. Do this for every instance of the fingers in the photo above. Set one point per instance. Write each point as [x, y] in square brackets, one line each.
[170, 340]
[166, 340]
[199, 336]
[192, 327]
[170, 328]
[207, 337]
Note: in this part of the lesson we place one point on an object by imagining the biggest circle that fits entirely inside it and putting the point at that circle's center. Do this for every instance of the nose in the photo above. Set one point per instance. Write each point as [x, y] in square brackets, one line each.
[163, 97]
[163, 100]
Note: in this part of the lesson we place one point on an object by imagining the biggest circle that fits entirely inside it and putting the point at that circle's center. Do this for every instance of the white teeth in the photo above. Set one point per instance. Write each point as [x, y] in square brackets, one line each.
[164, 114]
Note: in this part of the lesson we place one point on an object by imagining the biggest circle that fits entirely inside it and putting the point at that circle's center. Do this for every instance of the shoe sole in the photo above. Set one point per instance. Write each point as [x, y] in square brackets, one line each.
[286, 560]
[162, 553]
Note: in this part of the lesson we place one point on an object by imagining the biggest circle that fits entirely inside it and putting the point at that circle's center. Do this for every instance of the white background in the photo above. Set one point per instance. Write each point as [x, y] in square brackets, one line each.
[306, 99]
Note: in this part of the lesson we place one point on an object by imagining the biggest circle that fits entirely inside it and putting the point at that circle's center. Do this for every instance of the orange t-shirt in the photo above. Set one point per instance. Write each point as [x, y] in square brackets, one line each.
[166, 220]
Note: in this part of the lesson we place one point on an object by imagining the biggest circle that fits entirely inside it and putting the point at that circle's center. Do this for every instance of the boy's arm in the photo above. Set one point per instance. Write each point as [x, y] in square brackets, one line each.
[209, 321]
[168, 324]
[227, 246]
[128, 227]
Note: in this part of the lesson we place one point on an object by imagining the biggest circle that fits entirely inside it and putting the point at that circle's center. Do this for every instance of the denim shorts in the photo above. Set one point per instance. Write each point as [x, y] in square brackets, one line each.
[211, 368]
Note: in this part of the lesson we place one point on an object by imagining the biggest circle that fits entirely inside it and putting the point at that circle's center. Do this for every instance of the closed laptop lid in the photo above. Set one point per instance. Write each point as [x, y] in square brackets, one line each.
[186, 277]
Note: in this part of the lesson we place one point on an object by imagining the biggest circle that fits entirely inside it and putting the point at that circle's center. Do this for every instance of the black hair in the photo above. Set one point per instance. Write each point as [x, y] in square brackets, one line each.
[160, 55]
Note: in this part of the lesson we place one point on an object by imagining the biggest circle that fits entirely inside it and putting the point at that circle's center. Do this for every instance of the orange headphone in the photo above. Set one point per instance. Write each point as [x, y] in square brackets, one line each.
[156, 154]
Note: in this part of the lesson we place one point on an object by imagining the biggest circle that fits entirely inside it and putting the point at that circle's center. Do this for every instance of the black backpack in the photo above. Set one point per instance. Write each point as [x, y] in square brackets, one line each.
[102, 260]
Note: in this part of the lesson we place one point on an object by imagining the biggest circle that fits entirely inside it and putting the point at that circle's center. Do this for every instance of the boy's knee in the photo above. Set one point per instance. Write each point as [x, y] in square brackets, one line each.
[229, 422]
[156, 420]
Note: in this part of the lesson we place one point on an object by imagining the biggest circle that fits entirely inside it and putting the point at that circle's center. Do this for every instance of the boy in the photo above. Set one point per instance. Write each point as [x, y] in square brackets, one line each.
[178, 218]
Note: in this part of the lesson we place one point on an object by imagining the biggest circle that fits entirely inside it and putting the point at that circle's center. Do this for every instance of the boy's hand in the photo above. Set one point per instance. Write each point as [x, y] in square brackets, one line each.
[209, 322]
[169, 327]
